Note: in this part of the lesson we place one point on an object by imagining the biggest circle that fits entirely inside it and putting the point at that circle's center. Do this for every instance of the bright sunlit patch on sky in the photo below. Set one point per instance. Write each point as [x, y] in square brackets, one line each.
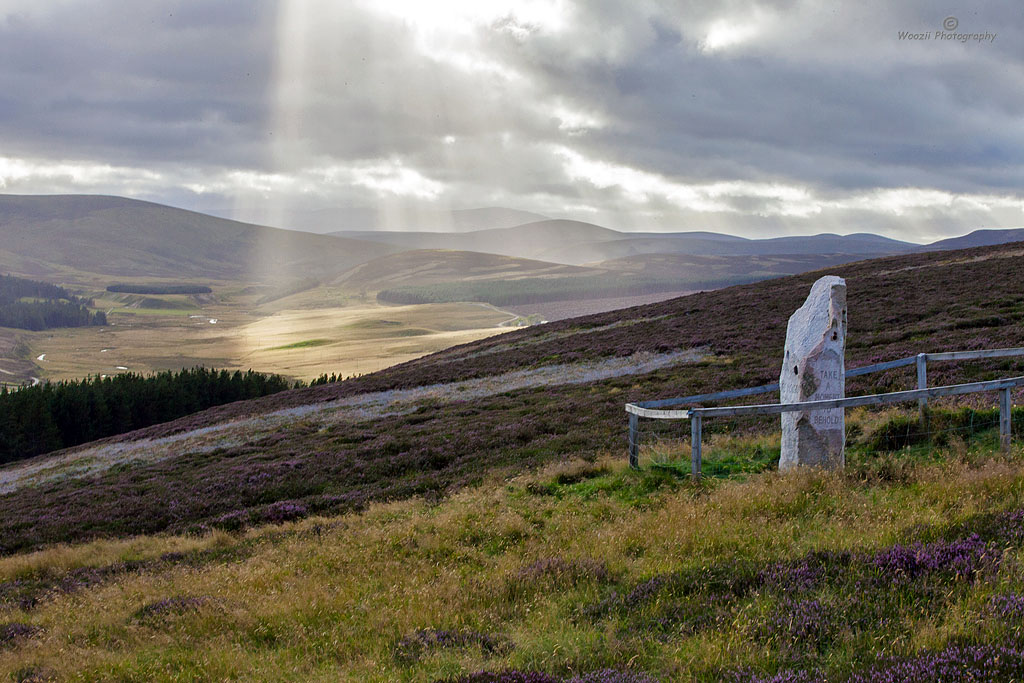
[576, 121]
[449, 31]
[385, 177]
[776, 198]
[725, 196]
[461, 16]
[81, 175]
[247, 182]
[723, 34]
[392, 177]
[903, 200]
[728, 32]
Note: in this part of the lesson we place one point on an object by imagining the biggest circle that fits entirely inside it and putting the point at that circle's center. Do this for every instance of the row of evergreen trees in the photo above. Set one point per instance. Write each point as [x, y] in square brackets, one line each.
[50, 416]
[128, 288]
[43, 315]
[48, 306]
[14, 288]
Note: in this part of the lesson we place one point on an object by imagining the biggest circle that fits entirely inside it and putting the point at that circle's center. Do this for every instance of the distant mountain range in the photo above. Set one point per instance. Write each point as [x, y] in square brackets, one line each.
[64, 236]
[361, 218]
[577, 243]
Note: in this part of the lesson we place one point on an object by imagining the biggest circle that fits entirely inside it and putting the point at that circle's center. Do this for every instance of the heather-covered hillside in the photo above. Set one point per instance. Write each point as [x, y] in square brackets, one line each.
[379, 443]
[456, 560]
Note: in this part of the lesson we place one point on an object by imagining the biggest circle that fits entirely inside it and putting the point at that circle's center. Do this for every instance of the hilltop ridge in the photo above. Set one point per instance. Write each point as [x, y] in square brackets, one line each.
[56, 235]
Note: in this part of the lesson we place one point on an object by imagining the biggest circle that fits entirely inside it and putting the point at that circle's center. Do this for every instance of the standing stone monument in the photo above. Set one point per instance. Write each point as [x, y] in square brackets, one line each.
[813, 370]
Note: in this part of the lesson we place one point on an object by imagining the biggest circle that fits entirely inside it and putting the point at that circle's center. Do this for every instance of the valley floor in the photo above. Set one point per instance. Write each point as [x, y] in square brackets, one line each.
[318, 331]
[297, 338]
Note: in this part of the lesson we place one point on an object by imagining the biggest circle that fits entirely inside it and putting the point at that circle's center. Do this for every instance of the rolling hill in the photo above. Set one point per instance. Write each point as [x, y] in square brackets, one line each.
[577, 243]
[53, 236]
[529, 240]
[457, 220]
[429, 266]
[979, 238]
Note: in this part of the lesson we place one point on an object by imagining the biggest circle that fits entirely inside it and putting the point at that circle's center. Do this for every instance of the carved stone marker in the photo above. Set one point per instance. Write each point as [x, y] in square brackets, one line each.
[813, 370]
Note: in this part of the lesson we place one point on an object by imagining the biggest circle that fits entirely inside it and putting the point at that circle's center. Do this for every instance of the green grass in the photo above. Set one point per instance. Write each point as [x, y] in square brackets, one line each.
[170, 304]
[409, 332]
[574, 567]
[889, 435]
[375, 324]
[308, 343]
[179, 312]
[588, 481]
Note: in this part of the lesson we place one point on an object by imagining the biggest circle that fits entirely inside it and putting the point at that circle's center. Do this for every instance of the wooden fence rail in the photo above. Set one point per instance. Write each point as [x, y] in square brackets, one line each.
[656, 410]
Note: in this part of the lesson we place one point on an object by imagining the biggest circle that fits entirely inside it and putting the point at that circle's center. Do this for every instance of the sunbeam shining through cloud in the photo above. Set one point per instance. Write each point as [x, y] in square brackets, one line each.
[748, 118]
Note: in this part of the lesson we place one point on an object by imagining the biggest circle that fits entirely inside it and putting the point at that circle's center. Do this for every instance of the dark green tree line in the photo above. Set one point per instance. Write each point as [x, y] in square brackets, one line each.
[47, 306]
[51, 416]
[126, 288]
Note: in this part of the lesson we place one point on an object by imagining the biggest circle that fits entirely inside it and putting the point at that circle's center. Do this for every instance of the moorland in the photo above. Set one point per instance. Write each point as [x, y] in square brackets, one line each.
[468, 515]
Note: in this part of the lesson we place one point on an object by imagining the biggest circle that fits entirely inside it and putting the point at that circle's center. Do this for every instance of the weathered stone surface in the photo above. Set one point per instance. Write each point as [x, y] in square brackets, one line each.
[813, 370]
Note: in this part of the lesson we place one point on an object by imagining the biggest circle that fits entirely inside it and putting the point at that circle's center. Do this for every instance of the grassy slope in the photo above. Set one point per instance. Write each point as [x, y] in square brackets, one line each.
[54, 235]
[898, 306]
[578, 567]
[429, 266]
[530, 240]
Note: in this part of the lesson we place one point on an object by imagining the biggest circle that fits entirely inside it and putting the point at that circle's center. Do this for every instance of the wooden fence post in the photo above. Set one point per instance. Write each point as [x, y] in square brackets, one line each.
[1005, 419]
[922, 383]
[695, 445]
[634, 442]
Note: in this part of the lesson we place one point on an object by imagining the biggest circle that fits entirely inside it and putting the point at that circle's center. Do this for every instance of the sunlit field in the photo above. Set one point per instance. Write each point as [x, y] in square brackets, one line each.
[302, 336]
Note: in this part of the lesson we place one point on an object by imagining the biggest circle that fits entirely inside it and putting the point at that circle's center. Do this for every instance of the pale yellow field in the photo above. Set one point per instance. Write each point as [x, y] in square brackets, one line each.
[360, 339]
[343, 339]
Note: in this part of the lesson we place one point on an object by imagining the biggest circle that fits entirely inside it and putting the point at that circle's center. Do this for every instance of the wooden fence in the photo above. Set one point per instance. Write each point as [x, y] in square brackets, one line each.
[660, 409]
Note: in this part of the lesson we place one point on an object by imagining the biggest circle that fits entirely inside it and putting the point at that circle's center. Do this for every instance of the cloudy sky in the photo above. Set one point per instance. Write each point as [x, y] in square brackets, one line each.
[754, 118]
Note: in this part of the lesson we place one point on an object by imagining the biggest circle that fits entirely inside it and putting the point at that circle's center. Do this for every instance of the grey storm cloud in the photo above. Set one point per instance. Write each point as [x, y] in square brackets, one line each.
[135, 82]
[747, 117]
[952, 115]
